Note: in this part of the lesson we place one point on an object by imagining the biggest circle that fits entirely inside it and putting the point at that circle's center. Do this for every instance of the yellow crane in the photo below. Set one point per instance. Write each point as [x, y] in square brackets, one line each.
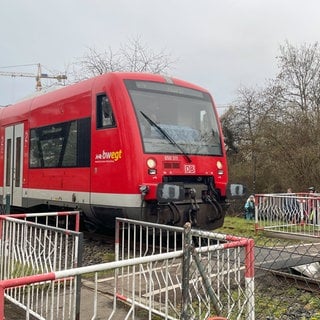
[38, 76]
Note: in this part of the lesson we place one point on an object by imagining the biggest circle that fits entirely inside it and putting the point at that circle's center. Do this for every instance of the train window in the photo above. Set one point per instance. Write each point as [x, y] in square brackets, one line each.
[167, 113]
[18, 162]
[105, 117]
[61, 145]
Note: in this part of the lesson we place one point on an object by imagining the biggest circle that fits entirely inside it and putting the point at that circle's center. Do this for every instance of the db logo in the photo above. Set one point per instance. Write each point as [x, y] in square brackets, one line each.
[189, 168]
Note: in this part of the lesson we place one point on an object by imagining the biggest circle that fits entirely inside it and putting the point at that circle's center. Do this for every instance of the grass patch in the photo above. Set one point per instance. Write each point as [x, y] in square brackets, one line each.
[241, 227]
[238, 226]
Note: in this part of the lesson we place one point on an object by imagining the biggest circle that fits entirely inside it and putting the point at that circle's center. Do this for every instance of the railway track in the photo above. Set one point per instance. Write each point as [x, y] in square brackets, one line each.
[97, 248]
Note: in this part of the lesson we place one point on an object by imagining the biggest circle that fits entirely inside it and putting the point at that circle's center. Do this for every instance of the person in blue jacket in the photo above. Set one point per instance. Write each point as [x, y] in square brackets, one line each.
[249, 208]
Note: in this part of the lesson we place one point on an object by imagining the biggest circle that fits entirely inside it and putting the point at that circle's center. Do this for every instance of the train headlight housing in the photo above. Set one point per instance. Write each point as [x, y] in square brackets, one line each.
[220, 168]
[152, 164]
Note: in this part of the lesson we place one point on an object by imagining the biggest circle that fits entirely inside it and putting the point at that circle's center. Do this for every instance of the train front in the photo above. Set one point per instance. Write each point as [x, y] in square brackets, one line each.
[184, 162]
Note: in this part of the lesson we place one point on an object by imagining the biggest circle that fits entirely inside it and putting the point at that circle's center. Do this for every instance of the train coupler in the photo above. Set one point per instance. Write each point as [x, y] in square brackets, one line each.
[217, 212]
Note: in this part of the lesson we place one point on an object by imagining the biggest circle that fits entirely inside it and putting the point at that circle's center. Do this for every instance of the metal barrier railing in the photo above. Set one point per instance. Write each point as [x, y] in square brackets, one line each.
[47, 283]
[28, 248]
[214, 275]
[297, 214]
[174, 273]
[68, 220]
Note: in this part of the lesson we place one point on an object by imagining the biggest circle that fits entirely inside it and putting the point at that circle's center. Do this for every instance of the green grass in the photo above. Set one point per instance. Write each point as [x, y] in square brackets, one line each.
[238, 227]
[241, 227]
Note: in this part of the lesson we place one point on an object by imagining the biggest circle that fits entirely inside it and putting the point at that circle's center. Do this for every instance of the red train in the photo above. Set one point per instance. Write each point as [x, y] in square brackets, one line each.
[134, 145]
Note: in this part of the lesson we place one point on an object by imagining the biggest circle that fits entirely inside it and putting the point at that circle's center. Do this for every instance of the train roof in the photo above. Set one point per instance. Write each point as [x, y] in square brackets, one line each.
[115, 75]
[156, 77]
[37, 99]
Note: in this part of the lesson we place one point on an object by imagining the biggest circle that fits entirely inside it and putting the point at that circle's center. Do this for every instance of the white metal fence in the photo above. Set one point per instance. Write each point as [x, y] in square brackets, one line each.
[173, 273]
[28, 248]
[297, 214]
[213, 275]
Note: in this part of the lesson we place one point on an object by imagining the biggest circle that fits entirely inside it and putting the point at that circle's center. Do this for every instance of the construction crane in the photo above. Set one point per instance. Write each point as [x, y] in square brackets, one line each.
[38, 76]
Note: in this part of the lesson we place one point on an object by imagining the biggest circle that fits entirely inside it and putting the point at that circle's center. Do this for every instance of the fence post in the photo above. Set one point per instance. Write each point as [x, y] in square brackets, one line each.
[78, 278]
[186, 271]
[249, 278]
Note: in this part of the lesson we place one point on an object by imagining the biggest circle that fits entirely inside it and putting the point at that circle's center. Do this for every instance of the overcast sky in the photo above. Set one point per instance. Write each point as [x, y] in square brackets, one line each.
[219, 44]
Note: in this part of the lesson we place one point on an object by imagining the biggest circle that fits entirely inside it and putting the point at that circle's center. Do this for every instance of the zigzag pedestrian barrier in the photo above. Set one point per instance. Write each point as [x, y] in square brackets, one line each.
[212, 276]
[32, 245]
[173, 273]
[292, 213]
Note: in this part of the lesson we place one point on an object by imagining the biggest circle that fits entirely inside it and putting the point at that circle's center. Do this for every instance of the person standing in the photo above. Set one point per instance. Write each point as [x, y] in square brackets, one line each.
[312, 212]
[249, 208]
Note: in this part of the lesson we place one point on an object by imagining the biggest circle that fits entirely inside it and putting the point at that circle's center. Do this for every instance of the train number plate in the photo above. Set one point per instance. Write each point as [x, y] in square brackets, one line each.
[189, 168]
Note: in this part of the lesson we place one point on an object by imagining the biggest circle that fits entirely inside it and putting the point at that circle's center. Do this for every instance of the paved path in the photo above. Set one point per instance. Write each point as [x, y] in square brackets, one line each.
[104, 304]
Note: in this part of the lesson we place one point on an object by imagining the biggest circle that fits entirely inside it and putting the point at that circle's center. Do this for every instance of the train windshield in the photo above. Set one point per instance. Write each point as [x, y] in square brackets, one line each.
[175, 119]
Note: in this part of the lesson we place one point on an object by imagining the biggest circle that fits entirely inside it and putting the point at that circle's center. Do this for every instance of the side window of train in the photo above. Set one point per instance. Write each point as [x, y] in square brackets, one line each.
[61, 145]
[105, 116]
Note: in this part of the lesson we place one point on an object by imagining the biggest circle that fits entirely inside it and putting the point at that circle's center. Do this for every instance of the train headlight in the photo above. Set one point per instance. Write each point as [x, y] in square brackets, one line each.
[220, 168]
[152, 163]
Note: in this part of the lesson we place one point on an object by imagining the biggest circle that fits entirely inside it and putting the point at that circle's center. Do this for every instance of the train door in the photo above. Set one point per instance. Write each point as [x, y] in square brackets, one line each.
[13, 164]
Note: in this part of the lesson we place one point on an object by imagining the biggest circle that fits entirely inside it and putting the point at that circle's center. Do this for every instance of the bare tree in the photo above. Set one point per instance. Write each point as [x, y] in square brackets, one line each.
[133, 56]
[244, 121]
[299, 76]
[229, 130]
[276, 128]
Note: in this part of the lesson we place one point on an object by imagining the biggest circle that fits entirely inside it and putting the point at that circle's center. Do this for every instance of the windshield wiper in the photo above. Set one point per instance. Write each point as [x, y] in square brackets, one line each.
[166, 135]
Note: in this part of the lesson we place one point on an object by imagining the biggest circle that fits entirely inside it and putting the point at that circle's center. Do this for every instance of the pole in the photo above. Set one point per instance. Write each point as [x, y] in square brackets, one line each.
[186, 272]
